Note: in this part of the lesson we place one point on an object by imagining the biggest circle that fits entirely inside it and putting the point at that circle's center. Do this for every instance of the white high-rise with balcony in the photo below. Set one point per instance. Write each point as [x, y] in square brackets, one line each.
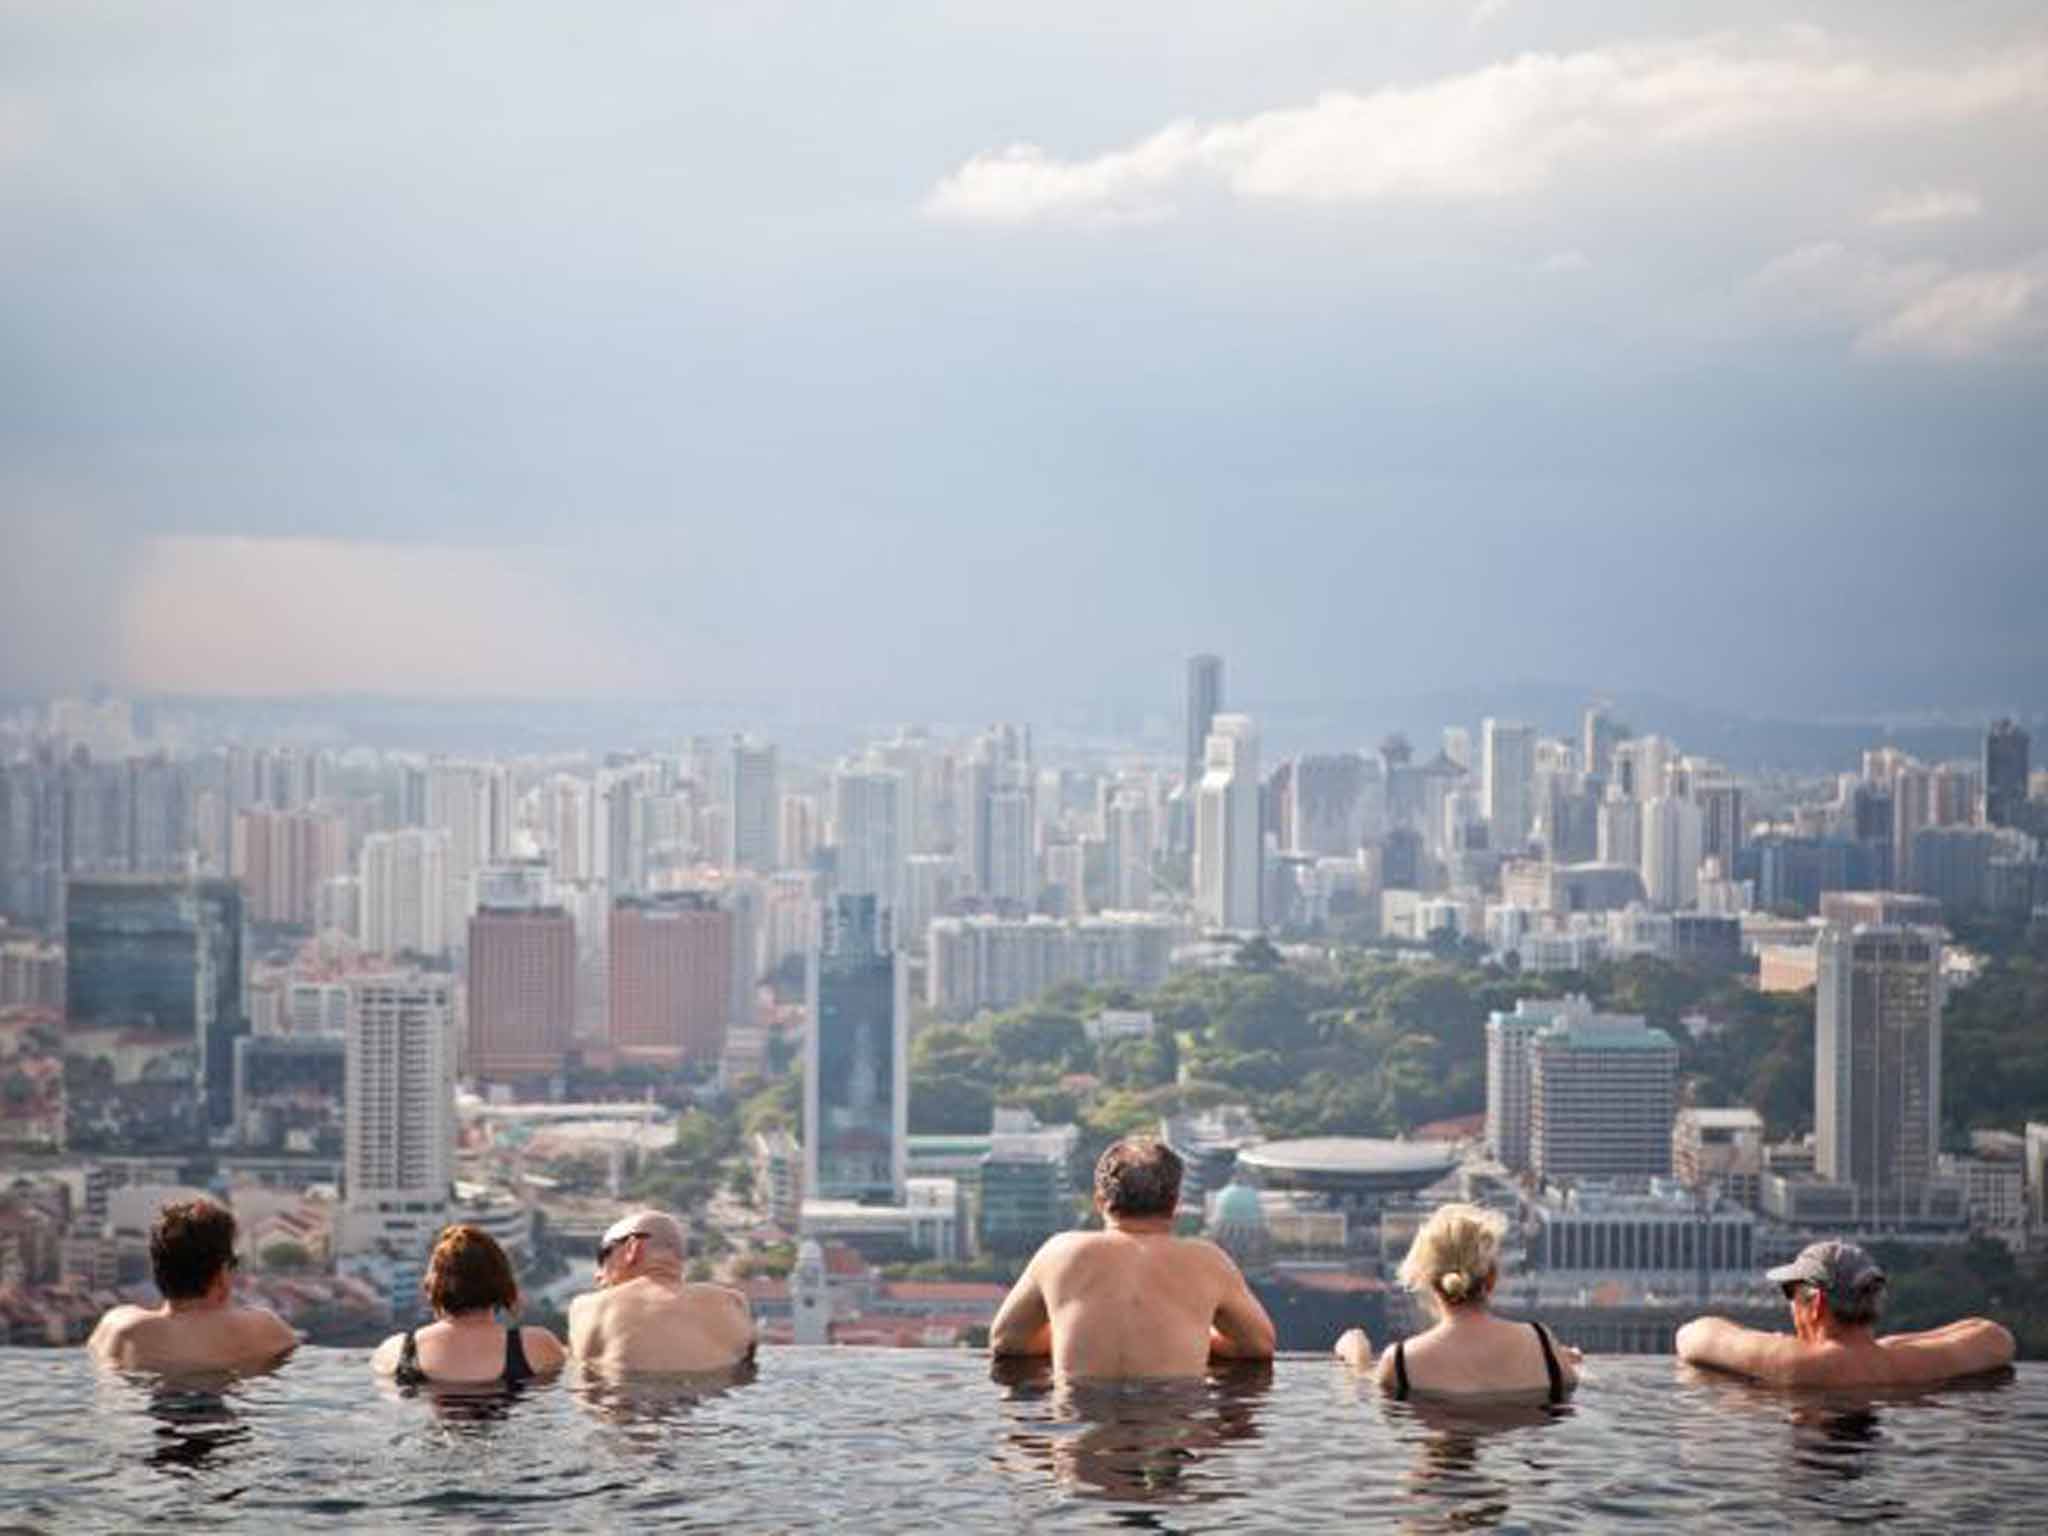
[399, 1154]
[1229, 848]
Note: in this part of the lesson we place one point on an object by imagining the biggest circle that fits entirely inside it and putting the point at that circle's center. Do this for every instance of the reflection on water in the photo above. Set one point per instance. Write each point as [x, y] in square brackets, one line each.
[1445, 1480]
[667, 1398]
[195, 1426]
[1141, 1442]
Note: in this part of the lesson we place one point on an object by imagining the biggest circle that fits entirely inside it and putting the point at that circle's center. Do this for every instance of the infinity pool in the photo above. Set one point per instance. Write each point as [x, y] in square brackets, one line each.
[926, 1440]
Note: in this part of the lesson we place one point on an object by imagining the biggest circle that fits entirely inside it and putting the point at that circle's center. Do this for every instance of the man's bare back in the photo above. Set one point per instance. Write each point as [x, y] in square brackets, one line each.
[1132, 1300]
[226, 1338]
[656, 1324]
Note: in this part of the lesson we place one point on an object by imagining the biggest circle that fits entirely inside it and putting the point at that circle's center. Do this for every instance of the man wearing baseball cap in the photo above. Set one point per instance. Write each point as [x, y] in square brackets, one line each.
[1836, 1292]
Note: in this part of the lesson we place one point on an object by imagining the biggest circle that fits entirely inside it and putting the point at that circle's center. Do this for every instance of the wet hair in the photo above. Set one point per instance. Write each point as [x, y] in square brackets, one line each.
[190, 1243]
[1456, 1254]
[469, 1272]
[1138, 1176]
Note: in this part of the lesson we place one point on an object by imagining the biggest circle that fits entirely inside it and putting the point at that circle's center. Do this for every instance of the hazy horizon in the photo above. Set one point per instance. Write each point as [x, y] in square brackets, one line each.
[928, 355]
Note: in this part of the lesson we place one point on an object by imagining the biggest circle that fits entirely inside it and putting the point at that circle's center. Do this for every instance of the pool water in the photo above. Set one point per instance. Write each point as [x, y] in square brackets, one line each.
[906, 1440]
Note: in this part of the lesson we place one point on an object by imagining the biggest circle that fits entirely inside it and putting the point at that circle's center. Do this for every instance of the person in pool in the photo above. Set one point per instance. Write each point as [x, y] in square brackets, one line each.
[468, 1284]
[1132, 1299]
[1836, 1292]
[199, 1326]
[1454, 1262]
[644, 1317]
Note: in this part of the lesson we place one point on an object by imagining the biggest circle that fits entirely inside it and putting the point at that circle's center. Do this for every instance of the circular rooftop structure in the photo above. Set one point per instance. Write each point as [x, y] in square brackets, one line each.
[1347, 1166]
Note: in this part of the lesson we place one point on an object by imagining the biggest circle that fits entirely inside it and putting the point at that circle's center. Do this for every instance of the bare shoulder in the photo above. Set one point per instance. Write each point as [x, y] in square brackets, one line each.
[114, 1329]
[385, 1361]
[265, 1330]
[544, 1351]
[720, 1295]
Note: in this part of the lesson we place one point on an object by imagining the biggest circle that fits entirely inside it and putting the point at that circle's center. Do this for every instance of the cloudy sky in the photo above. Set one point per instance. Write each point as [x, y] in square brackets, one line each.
[963, 352]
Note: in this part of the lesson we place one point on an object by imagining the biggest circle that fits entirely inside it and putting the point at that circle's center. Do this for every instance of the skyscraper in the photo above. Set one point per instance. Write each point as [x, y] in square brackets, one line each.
[755, 808]
[160, 957]
[671, 978]
[399, 1159]
[1229, 873]
[1508, 1072]
[1877, 1057]
[1603, 1089]
[1012, 875]
[522, 992]
[867, 829]
[1205, 699]
[2005, 773]
[1508, 772]
[856, 1057]
[1128, 847]
[1671, 852]
[1601, 733]
[1328, 805]
[283, 858]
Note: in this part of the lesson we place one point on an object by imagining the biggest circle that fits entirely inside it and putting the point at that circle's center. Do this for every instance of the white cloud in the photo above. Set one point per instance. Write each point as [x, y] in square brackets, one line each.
[1503, 131]
[1918, 307]
[1928, 205]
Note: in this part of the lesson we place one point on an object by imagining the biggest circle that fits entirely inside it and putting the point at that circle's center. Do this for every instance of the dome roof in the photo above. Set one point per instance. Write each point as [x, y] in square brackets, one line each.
[1237, 1205]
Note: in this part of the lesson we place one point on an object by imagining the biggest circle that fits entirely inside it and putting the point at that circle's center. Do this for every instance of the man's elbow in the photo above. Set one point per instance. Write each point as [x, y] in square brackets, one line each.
[1695, 1341]
[1994, 1344]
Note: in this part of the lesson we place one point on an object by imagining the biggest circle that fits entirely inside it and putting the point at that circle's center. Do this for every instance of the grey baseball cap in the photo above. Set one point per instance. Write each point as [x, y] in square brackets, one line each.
[1842, 1272]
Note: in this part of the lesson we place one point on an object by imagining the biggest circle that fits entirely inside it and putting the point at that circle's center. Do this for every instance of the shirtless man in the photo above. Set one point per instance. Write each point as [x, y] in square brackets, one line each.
[1836, 1292]
[644, 1317]
[198, 1327]
[1132, 1299]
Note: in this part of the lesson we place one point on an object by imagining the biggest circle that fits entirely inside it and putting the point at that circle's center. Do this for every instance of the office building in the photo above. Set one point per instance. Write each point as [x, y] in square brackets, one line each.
[1719, 1148]
[856, 1057]
[671, 978]
[1508, 1104]
[1877, 1058]
[1508, 774]
[754, 786]
[399, 1151]
[2005, 773]
[1204, 702]
[403, 884]
[1602, 1092]
[522, 992]
[291, 1094]
[1663, 1238]
[159, 957]
[1329, 804]
[1879, 909]
[515, 884]
[1229, 874]
[1600, 734]
[1671, 852]
[798, 843]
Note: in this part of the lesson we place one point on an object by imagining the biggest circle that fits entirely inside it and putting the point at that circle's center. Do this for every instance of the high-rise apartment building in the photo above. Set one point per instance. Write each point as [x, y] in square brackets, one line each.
[2005, 773]
[976, 963]
[160, 958]
[756, 808]
[856, 1057]
[399, 1148]
[283, 858]
[1508, 1072]
[522, 992]
[1877, 1057]
[1011, 878]
[799, 837]
[671, 978]
[1229, 872]
[403, 890]
[1129, 841]
[867, 831]
[1508, 773]
[1602, 1092]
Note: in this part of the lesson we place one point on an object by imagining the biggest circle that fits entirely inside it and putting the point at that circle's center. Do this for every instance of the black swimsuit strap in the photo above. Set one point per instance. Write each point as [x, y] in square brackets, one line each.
[1550, 1365]
[1401, 1369]
[516, 1367]
[409, 1360]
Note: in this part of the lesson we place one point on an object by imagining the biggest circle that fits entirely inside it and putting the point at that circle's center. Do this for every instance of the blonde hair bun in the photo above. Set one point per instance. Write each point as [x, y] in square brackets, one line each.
[1454, 1284]
[1456, 1254]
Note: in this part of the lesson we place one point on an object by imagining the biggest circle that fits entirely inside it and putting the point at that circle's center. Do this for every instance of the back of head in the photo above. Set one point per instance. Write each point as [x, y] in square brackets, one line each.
[1844, 1275]
[191, 1242]
[1138, 1177]
[1456, 1254]
[662, 1238]
[469, 1272]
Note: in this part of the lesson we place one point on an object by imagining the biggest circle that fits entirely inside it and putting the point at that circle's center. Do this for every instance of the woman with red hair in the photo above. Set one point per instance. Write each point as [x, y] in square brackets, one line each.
[470, 1286]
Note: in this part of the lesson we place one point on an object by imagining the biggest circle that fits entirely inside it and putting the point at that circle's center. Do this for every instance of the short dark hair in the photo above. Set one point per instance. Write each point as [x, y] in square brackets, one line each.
[468, 1272]
[1138, 1176]
[191, 1242]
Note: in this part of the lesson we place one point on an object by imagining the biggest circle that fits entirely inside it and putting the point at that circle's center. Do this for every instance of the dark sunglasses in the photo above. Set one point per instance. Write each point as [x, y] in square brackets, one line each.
[605, 1250]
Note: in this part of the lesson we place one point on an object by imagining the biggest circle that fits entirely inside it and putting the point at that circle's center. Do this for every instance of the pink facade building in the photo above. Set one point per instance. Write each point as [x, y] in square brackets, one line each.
[671, 979]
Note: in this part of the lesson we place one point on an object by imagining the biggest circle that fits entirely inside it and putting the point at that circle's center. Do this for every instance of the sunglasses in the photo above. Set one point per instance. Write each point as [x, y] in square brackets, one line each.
[605, 1250]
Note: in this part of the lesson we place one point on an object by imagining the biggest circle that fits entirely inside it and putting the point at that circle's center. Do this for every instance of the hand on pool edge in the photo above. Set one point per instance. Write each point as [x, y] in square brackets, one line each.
[1354, 1348]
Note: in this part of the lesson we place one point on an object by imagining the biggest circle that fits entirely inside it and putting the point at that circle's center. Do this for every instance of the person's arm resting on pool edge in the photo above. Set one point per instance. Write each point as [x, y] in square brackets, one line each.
[1717, 1343]
[1022, 1325]
[1241, 1330]
[1961, 1349]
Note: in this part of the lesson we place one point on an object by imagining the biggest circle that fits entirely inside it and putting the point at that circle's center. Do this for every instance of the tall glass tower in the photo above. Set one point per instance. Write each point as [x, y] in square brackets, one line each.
[856, 1057]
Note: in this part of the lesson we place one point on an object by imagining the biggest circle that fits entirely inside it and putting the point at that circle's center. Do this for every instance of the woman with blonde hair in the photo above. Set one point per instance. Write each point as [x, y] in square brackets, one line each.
[470, 1285]
[1455, 1262]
